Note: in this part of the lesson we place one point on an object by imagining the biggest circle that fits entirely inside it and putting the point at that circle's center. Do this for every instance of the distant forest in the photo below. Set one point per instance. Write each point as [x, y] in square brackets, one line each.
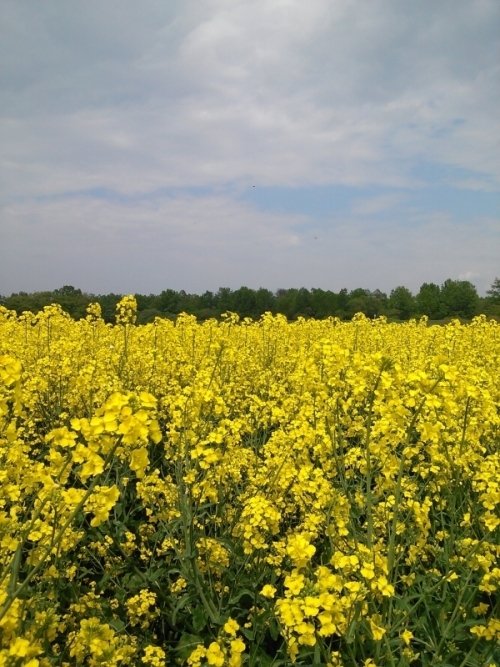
[454, 298]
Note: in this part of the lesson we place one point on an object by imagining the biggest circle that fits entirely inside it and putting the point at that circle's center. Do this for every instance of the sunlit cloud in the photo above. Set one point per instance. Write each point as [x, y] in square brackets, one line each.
[122, 124]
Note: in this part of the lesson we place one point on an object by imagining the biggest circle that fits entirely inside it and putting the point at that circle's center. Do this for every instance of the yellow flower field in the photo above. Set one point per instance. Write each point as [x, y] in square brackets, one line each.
[248, 493]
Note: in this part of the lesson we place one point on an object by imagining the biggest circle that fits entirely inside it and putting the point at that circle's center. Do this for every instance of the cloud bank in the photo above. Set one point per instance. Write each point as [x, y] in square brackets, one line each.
[224, 142]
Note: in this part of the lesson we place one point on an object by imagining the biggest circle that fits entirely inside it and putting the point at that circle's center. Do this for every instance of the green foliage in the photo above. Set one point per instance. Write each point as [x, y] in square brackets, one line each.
[459, 298]
[455, 298]
[429, 301]
[494, 291]
[402, 302]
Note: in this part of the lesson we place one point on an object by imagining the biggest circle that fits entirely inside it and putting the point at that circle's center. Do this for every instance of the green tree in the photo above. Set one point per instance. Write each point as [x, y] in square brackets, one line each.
[324, 303]
[357, 301]
[71, 299]
[303, 303]
[372, 304]
[265, 301]
[188, 303]
[108, 305]
[494, 291]
[244, 302]
[429, 301]
[68, 290]
[168, 301]
[147, 315]
[286, 302]
[402, 302]
[206, 300]
[459, 297]
[206, 306]
[223, 299]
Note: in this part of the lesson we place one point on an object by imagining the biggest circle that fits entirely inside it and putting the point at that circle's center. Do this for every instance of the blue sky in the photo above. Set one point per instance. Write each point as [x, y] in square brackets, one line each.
[194, 144]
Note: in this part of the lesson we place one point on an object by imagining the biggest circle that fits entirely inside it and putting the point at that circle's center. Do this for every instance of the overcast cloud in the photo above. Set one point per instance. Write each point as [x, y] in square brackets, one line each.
[277, 143]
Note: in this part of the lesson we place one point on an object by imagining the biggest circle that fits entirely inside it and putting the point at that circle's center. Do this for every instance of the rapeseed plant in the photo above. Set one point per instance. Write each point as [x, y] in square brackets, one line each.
[248, 493]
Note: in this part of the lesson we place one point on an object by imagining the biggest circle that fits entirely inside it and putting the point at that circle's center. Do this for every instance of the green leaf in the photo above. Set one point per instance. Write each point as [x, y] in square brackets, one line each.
[274, 629]
[187, 644]
[265, 660]
[179, 606]
[199, 619]
[249, 633]
[244, 592]
[117, 624]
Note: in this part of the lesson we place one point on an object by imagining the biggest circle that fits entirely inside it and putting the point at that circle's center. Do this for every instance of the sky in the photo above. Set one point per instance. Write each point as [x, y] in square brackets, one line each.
[198, 144]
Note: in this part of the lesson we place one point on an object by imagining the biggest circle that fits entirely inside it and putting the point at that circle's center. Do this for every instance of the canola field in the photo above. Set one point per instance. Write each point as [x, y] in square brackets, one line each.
[248, 493]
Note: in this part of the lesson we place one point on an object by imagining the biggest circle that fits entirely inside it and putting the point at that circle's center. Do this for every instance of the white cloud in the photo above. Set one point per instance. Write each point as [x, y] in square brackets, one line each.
[139, 97]
[269, 91]
[207, 242]
[469, 275]
[123, 247]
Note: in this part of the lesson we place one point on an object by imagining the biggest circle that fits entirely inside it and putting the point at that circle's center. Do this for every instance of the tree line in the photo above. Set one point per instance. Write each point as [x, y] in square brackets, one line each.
[454, 298]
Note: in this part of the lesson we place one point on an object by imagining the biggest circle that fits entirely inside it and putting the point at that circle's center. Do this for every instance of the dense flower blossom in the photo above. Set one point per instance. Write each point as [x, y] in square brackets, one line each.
[229, 493]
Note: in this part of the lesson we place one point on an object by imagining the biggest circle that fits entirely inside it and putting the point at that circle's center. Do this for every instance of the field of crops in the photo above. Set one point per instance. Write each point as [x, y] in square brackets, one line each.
[248, 493]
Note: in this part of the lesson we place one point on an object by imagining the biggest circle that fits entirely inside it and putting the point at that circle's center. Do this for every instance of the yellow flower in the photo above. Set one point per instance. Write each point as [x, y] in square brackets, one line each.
[237, 648]
[101, 502]
[377, 630]
[62, 437]
[328, 627]
[139, 460]
[368, 570]
[154, 656]
[268, 591]
[406, 636]
[381, 584]
[231, 627]
[300, 550]
[19, 648]
[215, 655]
[294, 583]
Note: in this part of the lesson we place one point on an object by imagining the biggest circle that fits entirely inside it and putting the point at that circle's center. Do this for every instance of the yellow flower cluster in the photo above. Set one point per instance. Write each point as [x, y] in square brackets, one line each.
[126, 310]
[141, 609]
[227, 651]
[154, 656]
[96, 643]
[331, 488]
